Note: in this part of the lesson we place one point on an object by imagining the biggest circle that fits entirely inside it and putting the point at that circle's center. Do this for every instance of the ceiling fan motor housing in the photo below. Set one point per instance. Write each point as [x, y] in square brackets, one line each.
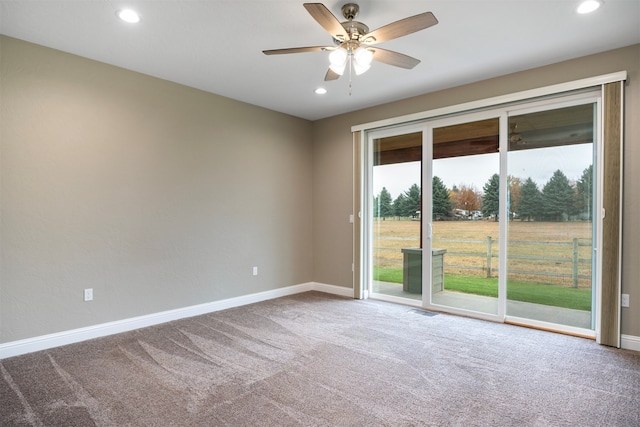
[356, 30]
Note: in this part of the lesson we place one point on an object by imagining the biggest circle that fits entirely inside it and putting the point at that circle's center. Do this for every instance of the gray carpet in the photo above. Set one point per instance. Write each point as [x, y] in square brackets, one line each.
[319, 360]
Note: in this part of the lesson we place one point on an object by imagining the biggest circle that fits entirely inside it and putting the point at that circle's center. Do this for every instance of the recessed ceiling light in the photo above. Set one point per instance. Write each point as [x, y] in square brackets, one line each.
[589, 6]
[320, 91]
[128, 15]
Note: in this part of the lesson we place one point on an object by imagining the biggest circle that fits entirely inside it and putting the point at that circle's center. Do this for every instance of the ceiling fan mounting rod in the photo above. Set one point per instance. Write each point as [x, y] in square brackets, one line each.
[350, 10]
[355, 30]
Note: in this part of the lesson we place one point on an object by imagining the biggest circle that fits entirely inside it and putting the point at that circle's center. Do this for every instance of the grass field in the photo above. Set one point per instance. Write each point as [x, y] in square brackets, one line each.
[544, 250]
[557, 296]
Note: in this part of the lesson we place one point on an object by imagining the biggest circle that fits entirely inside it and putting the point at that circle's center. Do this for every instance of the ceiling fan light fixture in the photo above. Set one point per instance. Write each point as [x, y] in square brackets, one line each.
[338, 60]
[589, 6]
[363, 56]
[360, 68]
[337, 69]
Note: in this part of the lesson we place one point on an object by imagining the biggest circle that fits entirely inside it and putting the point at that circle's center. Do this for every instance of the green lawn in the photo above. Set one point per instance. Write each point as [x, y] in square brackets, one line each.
[557, 296]
[392, 275]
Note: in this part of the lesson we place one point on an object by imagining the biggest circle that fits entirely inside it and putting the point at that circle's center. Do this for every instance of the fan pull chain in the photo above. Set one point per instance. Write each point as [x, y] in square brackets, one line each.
[350, 68]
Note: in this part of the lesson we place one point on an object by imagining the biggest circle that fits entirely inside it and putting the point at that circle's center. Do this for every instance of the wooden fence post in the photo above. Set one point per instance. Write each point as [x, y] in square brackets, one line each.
[575, 263]
[489, 257]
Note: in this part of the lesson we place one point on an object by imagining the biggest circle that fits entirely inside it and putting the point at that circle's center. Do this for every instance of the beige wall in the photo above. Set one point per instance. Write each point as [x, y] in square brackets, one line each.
[333, 174]
[159, 196]
[155, 195]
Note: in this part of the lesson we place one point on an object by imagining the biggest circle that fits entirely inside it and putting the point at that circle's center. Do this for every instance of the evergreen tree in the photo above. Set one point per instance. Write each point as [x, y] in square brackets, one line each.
[530, 200]
[399, 206]
[376, 206]
[557, 197]
[491, 200]
[584, 194]
[384, 204]
[412, 201]
[440, 197]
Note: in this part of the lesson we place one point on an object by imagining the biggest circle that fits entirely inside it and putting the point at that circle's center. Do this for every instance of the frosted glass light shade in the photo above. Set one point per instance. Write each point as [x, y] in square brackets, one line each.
[359, 68]
[363, 56]
[338, 60]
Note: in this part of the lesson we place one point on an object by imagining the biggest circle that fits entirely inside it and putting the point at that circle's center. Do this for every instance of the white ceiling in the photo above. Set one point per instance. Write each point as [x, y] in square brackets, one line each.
[216, 45]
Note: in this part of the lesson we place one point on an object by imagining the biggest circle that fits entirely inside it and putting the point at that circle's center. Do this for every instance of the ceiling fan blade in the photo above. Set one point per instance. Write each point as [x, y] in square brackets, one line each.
[401, 28]
[331, 75]
[394, 58]
[295, 50]
[327, 20]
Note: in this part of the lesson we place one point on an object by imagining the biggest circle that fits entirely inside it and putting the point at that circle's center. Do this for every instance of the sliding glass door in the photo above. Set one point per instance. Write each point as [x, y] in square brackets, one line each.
[463, 167]
[492, 214]
[552, 194]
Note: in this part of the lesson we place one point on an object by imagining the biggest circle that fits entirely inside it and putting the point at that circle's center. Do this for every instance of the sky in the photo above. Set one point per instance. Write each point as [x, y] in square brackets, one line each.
[537, 164]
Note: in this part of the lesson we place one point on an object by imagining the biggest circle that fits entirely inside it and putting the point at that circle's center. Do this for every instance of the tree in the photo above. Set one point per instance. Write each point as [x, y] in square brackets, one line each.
[530, 200]
[384, 208]
[412, 201]
[491, 201]
[465, 198]
[515, 184]
[557, 197]
[440, 198]
[399, 205]
[584, 194]
[376, 207]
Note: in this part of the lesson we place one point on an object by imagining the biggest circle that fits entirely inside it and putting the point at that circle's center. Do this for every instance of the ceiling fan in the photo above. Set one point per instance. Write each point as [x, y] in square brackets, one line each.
[354, 44]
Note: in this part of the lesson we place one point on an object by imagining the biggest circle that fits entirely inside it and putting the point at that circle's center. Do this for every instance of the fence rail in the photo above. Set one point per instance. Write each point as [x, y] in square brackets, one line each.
[489, 254]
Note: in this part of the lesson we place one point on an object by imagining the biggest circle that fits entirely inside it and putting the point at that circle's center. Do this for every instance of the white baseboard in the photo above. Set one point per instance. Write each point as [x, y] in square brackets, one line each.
[332, 289]
[630, 342]
[29, 345]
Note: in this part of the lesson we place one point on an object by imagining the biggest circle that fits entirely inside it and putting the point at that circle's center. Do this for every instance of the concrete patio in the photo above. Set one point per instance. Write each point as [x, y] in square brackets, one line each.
[482, 304]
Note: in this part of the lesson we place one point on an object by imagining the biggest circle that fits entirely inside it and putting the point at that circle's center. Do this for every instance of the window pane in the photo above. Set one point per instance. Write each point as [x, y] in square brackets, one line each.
[397, 198]
[551, 204]
[465, 200]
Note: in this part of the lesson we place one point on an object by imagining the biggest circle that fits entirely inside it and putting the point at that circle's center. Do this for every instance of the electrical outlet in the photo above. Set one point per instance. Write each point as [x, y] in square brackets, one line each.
[624, 301]
[255, 271]
[88, 294]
